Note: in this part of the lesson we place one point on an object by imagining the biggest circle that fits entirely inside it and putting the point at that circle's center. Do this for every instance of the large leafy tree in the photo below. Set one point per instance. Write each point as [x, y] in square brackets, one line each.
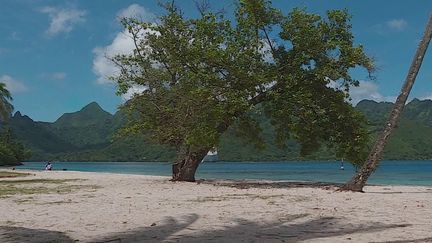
[6, 107]
[204, 75]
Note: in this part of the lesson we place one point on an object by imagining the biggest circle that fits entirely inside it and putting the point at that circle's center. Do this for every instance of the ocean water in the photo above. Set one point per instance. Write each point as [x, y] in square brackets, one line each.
[389, 172]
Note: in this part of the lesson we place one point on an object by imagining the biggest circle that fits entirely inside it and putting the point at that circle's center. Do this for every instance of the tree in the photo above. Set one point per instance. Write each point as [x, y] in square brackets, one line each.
[201, 76]
[11, 151]
[358, 181]
[6, 107]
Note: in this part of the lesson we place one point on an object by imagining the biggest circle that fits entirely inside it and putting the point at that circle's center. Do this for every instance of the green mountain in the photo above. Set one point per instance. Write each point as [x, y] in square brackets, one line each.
[85, 135]
[38, 136]
[88, 135]
[413, 136]
[89, 128]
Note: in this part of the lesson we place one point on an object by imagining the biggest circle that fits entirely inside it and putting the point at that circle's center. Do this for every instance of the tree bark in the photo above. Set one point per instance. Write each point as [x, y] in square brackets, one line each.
[359, 180]
[186, 165]
[184, 169]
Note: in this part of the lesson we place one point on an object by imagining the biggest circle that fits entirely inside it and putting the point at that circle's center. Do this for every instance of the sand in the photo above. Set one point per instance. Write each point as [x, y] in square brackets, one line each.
[102, 207]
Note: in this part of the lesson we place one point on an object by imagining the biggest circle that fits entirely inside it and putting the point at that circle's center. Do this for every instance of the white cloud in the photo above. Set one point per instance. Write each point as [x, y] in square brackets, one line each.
[58, 75]
[427, 96]
[63, 20]
[135, 89]
[103, 67]
[397, 24]
[368, 90]
[266, 51]
[54, 76]
[136, 11]
[13, 85]
[391, 26]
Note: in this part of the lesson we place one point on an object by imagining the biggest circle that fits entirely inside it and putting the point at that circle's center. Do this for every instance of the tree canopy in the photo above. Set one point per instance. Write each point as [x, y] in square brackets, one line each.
[203, 75]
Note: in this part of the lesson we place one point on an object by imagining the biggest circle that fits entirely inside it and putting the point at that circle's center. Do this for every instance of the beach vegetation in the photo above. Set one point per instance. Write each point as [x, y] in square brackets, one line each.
[199, 77]
[12, 152]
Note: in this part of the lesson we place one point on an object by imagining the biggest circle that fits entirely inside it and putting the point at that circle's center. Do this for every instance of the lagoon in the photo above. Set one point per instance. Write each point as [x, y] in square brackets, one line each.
[389, 173]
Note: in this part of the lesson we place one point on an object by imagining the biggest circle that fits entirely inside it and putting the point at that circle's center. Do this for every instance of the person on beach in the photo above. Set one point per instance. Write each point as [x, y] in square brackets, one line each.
[48, 166]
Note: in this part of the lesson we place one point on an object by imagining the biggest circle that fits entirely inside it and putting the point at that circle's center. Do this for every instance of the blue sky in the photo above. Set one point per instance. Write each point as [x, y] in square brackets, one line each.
[52, 52]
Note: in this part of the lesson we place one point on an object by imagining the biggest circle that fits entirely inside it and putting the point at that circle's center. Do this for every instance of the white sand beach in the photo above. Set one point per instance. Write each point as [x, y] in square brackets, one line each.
[65, 206]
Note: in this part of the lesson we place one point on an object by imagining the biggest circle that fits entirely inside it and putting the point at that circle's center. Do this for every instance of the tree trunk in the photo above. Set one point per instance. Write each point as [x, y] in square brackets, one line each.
[187, 163]
[184, 169]
[359, 180]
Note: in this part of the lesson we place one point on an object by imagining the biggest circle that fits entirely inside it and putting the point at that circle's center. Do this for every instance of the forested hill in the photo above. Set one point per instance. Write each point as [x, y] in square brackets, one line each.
[413, 136]
[88, 135]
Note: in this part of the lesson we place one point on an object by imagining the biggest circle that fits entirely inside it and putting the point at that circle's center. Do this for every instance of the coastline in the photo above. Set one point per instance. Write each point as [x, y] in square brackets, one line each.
[97, 207]
[389, 173]
[221, 161]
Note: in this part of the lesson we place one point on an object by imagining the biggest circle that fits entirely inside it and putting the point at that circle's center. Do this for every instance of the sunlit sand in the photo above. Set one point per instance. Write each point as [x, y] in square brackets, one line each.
[98, 207]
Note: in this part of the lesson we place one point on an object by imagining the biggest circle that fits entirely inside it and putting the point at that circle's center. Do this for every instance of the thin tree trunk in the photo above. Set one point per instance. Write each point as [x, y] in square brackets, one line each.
[184, 169]
[359, 180]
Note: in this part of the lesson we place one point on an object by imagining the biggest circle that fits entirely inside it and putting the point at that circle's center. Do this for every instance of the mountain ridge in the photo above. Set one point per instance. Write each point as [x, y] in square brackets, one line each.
[90, 114]
[88, 135]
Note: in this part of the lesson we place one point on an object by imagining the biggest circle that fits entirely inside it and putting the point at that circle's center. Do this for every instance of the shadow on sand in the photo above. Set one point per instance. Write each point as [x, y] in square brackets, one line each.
[422, 240]
[246, 184]
[182, 230]
[21, 234]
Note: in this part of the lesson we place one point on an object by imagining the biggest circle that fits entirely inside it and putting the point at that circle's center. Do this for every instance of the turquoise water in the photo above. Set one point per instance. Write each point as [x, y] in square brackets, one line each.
[389, 172]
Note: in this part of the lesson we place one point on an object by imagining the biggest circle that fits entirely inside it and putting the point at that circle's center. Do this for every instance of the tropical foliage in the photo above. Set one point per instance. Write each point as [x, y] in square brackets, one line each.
[11, 151]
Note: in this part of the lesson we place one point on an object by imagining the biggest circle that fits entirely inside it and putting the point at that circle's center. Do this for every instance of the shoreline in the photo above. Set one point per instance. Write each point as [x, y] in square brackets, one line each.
[228, 161]
[206, 180]
[99, 207]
